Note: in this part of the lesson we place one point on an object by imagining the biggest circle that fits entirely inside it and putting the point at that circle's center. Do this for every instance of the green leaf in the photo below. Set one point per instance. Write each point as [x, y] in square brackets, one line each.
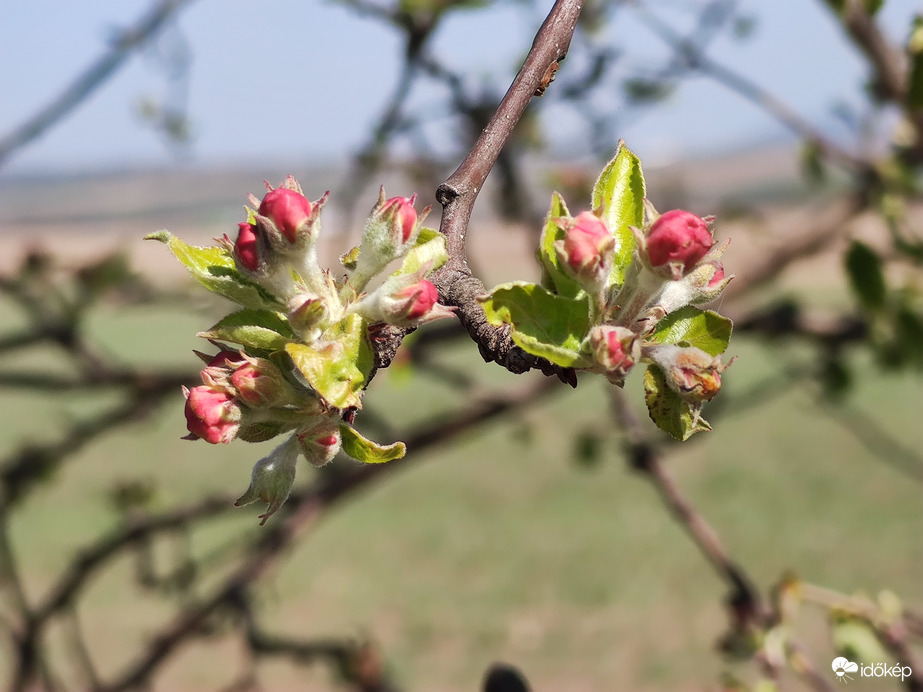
[430, 248]
[620, 192]
[363, 449]
[338, 367]
[863, 266]
[690, 326]
[554, 277]
[255, 329]
[667, 409]
[542, 323]
[214, 268]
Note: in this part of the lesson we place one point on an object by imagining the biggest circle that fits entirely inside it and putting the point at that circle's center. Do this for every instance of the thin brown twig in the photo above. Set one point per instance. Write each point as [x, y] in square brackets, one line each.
[303, 510]
[644, 457]
[457, 195]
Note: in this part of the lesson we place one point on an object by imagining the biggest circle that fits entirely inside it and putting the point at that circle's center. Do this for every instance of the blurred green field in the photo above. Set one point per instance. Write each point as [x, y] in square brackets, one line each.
[501, 546]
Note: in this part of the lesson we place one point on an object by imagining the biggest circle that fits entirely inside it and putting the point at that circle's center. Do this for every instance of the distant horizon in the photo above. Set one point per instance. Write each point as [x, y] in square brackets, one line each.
[103, 169]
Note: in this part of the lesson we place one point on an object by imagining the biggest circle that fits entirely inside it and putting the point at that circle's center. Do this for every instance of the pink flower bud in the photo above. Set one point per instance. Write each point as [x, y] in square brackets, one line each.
[226, 359]
[287, 209]
[212, 414]
[259, 383]
[390, 232]
[587, 250]
[321, 442]
[246, 249]
[616, 350]
[419, 299]
[400, 214]
[403, 304]
[678, 238]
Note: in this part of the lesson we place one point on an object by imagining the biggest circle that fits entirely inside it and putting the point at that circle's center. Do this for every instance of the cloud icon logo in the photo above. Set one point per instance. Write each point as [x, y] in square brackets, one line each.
[842, 666]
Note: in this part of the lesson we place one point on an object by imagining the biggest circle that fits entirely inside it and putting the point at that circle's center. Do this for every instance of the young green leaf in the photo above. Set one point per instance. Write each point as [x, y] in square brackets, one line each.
[690, 326]
[542, 323]
[365, 450]
[254, 329]
[554, 277]
[620, 192]
[337, 371]
[430, 249]
[668, 410]
[214, 268]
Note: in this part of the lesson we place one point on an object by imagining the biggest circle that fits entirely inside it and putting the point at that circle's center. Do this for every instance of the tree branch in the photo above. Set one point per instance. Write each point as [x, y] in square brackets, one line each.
[459, 192]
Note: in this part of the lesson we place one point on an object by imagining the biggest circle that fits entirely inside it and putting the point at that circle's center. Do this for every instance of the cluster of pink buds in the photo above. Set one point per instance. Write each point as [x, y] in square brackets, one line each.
[240, 396]
[587, 250]
[675, 264]
[304, 332]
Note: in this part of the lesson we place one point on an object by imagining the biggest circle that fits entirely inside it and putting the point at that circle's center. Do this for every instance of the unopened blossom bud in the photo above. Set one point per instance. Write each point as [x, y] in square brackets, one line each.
[321, 441]
[691, 372]
[272, 478]
[259, 383]
[217, 372]
[226, 359]
[309, 316]
[391, 230]
[418, 299]
[289, 210]
[399, 214]
[403, 304]
[615, 350]
[246, 249]
[677, 241]
[212, 414]
[587, 250]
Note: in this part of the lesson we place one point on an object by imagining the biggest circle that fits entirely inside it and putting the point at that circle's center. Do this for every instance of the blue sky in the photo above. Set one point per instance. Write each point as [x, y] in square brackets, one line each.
[298, 80]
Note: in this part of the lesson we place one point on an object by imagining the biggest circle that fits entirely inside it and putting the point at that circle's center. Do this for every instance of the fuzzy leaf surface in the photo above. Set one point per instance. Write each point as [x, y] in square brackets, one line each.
[365, 450]
[214, 268]
[690, 326]
[542, 323]
[671, 414]
[554, 277]
[338, 368]
[620, 190]
[430, 249]
[254, 329]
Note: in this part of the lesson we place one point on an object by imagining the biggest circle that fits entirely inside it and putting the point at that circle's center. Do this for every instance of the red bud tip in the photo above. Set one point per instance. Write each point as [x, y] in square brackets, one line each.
[288, 209]
[678, 236]
[246, 249]
[212, 414]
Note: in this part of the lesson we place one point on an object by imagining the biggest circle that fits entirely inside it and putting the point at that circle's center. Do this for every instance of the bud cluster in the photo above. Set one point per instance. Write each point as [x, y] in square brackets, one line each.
[675, 263]
[304, 334]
